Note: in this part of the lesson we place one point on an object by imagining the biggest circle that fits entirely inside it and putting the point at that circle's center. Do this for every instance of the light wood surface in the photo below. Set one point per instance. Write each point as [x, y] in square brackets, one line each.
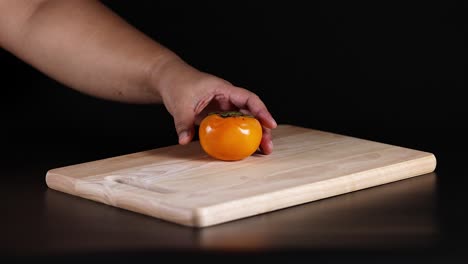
[181, 184]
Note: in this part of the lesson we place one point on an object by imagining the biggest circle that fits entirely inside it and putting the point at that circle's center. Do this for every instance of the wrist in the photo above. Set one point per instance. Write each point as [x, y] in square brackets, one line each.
[165, 73]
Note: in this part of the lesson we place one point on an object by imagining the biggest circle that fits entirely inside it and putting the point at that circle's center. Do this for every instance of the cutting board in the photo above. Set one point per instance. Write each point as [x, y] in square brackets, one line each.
[183, 185]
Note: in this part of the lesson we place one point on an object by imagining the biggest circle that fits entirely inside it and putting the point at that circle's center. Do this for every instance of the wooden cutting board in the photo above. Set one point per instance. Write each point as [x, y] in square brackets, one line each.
[183, 185]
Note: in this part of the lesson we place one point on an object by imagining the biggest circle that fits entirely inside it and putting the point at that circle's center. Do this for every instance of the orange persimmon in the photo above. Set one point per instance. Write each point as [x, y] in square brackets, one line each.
[230, 136]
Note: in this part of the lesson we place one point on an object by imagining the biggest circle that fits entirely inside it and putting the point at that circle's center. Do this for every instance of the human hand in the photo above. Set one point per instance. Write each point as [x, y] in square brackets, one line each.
[119, 63]
[189, 95]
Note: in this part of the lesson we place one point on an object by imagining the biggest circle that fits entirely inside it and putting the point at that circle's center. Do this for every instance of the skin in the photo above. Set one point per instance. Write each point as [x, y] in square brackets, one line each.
[87, 47]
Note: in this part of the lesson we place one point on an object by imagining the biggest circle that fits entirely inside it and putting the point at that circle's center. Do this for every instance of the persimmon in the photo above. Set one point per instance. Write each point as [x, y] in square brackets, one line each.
[230, 136]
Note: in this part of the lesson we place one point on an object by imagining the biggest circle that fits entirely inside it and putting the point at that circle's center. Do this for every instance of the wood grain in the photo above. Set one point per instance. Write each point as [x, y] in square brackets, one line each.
[181, 184]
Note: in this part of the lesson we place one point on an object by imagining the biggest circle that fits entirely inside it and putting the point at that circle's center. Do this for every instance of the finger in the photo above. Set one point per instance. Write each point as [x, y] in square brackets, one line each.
[183, 122]
[245, 99]
[266, 145]
[219, 103]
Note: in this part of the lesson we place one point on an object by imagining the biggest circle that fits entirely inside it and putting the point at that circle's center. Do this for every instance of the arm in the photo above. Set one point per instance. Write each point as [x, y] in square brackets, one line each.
[85, 46]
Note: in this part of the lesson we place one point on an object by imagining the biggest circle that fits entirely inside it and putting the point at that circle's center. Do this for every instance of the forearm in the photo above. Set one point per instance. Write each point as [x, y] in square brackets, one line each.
[85, 46]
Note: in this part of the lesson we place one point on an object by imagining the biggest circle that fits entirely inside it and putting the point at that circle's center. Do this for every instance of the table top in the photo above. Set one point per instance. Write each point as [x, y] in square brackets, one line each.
[420, 217]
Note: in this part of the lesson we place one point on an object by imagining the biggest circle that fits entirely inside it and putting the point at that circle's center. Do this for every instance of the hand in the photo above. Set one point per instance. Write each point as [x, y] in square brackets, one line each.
[119, 63]
[189, 95]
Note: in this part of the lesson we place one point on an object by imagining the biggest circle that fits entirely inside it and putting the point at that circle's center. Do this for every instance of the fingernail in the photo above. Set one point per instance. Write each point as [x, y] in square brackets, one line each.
[270, 144]
[274, 123]
[182, 135]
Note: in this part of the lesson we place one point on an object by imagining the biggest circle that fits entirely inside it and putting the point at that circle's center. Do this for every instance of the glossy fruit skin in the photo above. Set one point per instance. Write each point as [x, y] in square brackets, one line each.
[230, 136]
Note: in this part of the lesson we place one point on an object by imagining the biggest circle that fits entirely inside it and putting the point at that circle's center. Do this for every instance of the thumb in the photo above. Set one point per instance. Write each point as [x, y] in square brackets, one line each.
[183, 122]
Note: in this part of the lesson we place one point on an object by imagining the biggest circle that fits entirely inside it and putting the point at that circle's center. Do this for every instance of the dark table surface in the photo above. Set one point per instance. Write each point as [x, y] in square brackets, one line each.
[422, 218]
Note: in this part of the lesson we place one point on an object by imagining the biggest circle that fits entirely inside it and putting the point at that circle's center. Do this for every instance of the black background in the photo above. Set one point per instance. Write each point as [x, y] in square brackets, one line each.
[388, 72]
[392, 73]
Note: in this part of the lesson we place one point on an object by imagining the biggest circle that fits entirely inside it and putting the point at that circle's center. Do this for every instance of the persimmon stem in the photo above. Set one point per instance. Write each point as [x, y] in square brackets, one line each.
[227, 114]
